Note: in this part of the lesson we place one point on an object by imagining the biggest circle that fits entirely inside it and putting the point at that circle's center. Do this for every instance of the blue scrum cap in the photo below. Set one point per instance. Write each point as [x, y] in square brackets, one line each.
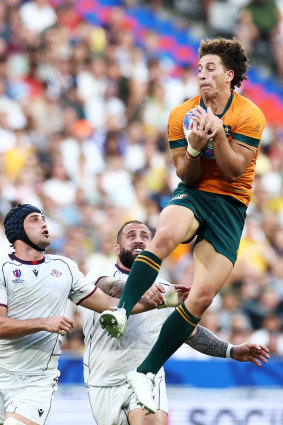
[14, 223]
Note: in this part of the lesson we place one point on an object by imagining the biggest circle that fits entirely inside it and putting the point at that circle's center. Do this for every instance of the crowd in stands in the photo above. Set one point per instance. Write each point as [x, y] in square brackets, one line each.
[83, 120]
[257, 23]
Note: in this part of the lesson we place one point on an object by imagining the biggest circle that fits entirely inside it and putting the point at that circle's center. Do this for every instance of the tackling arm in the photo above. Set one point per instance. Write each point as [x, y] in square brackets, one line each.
[107, 296]
[206, 342]
[157, 295]
[109, 290]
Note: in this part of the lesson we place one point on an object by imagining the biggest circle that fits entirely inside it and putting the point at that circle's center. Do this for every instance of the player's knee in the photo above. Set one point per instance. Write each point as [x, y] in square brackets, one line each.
[202, 300]
[12, 421]
[164, 243]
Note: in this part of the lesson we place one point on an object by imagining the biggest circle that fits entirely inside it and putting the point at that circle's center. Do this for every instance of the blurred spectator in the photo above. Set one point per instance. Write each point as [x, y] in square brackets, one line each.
[104, 255]
[270, 334]
[8, 137]
[91, 80]
[254, 249]
[177, 90]
[229, 310]
[37, 15]
[266, 304]
[221, 16]
[59, 79]
[5, 32]
[15, 118]
[18, 156]
[45, 106]
[116, 182]
[67, 16]
[82, 159]
[257, 28]
[240, 329]
[59, 187]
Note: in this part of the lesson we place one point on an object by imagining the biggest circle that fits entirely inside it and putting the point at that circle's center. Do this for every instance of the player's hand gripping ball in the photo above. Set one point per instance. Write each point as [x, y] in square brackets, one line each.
[207, 152]
[187, 123]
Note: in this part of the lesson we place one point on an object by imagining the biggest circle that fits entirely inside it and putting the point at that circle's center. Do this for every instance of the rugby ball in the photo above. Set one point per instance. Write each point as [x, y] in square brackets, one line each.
[207, 152]
[187, 123]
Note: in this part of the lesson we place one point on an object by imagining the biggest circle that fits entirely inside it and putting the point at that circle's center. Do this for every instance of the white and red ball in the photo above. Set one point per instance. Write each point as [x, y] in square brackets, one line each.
[187, 123]
[207, 152]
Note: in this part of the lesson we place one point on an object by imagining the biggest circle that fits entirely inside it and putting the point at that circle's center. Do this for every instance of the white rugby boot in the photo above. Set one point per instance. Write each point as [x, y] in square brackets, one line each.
[143, 386]
[114, 322]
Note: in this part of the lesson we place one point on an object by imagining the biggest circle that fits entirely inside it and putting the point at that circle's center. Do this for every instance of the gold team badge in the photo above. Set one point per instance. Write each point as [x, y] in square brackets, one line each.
[180, 197]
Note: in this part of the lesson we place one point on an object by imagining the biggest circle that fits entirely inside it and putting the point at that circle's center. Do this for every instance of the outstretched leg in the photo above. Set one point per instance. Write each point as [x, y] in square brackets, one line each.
[211, 272]
[175, 225]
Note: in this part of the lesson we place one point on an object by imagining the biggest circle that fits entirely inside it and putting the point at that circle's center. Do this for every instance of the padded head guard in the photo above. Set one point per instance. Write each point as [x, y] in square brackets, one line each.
[14, 224]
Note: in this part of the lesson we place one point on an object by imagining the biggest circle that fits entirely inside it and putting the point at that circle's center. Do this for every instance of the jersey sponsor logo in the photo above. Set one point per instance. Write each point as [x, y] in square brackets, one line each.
[55, 273]
[40, 412]
[35, 272]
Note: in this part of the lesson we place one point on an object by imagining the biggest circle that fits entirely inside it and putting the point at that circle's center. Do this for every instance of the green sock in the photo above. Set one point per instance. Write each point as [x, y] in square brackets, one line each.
[175, 330]
[143, 273]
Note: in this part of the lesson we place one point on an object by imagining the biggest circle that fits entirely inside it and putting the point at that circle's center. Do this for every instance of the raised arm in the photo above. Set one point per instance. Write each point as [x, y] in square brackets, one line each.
[204, 341]
[14, 328]
[100, 300]
[109, 290]
[187, 158]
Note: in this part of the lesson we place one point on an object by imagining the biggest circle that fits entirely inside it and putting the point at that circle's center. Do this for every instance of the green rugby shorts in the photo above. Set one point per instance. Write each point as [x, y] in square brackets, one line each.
[221, 218]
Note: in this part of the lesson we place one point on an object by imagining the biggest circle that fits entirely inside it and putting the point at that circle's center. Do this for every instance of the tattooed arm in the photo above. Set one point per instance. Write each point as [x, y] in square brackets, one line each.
[206, 342]
[108, 290]
[111, 286]
[155, 296]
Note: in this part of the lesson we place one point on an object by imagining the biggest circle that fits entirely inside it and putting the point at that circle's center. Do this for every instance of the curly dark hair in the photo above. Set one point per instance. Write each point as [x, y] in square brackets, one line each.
[232, 54]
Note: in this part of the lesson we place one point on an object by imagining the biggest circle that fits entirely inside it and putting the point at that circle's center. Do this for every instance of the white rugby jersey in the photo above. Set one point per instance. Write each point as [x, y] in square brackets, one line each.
[33, 290]
[106, 360]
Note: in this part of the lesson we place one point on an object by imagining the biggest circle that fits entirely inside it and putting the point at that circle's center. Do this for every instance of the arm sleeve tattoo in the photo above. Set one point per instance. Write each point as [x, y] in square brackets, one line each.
[206, 342]
[113, 288]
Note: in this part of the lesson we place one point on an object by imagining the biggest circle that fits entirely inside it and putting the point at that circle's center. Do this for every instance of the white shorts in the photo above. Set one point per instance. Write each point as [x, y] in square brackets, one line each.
[29, 396]
[111, 405]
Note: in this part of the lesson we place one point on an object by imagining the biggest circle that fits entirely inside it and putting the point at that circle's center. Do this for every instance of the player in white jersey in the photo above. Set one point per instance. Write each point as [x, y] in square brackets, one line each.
[107, 361]
[34, 289]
